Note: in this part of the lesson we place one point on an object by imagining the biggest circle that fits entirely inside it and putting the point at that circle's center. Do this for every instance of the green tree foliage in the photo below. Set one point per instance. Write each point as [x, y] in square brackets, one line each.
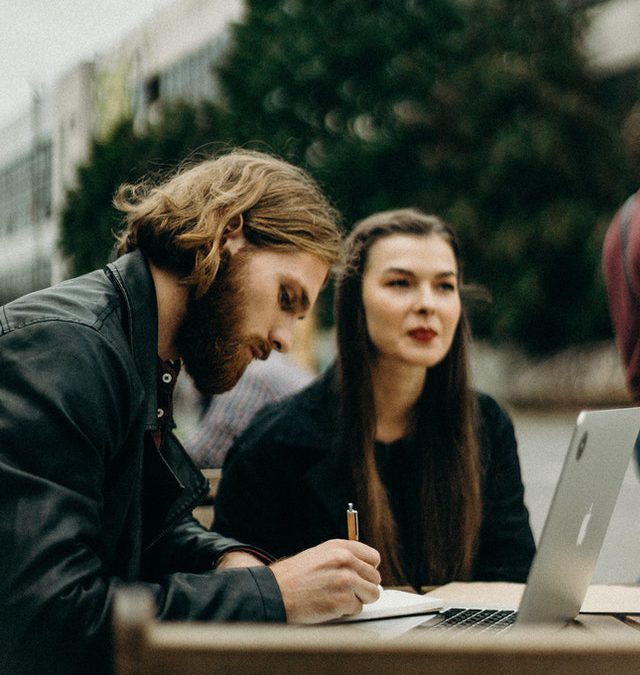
[89, 219]
[535, 170]
[481, 112]
[339, 86]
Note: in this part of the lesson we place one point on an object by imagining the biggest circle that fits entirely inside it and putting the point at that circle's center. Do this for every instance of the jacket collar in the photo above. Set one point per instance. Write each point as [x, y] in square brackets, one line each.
[131, 276]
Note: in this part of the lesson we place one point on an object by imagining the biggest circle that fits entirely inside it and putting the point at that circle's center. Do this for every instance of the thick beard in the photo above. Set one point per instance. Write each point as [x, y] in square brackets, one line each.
[210, 341]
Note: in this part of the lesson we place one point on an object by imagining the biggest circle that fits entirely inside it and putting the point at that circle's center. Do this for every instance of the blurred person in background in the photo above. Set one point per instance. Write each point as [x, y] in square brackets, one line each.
[621, 269]
[226, 415]
[394, 427]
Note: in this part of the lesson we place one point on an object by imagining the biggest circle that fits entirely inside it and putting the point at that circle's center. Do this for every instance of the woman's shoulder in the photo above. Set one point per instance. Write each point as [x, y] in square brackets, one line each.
[306, 417]
[495, 426]
[490, 410]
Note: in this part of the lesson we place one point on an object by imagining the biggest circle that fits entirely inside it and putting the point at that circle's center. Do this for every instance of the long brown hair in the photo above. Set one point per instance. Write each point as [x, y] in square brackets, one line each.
[447, 483]
[179, 223]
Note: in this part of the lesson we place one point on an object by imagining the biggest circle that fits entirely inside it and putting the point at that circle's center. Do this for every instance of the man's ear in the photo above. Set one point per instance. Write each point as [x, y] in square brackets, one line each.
[233, 238]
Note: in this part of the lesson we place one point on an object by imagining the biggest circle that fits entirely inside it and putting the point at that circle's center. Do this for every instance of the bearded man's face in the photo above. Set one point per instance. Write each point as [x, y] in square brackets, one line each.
[210, 340]
[252, 307]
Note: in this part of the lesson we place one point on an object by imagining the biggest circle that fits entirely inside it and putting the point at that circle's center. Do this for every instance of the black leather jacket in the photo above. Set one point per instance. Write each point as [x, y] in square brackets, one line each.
[77, 394]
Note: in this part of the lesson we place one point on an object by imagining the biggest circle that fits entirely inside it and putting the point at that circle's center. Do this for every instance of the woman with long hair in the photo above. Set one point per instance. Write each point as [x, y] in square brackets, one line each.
[394, 427]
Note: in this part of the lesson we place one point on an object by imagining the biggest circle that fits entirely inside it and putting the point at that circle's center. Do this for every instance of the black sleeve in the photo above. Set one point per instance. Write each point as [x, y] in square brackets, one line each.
[506, 546]
[57, 433]
[261, 499]
[247, 505]
[187, 546]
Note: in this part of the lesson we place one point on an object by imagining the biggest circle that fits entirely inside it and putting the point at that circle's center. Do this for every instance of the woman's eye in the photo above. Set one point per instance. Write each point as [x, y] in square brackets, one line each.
[447, 286]
[398, 283]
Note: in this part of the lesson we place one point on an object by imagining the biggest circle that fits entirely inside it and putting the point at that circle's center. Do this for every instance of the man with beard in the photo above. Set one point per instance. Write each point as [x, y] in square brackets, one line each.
[215, 266]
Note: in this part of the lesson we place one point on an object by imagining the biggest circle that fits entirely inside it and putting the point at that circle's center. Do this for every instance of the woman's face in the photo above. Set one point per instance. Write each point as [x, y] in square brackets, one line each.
[411, 298]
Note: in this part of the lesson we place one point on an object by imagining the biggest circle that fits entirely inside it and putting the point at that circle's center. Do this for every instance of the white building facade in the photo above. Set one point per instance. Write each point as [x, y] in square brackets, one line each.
[168, 59]
[26, 218]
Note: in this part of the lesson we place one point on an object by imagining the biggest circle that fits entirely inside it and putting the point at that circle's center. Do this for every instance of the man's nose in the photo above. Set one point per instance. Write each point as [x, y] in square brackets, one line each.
[281, 337]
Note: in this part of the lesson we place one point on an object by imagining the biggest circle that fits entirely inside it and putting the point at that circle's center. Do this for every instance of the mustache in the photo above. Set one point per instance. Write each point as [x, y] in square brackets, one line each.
[228, 349]
[261, 348]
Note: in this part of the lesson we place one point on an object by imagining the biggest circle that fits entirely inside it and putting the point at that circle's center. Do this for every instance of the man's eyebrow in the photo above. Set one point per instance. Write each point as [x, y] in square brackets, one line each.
[304, 300]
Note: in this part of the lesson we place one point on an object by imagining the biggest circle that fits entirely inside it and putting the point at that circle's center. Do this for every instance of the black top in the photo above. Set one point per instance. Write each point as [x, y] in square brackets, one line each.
[395, 462]
[287, 481]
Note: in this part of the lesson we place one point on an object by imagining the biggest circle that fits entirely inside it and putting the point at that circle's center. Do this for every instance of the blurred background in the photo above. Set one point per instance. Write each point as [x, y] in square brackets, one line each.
[518, 121]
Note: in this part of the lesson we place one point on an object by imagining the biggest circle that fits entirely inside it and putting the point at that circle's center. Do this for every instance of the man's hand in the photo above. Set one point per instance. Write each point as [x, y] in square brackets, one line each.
[237, 559]
[328, 581]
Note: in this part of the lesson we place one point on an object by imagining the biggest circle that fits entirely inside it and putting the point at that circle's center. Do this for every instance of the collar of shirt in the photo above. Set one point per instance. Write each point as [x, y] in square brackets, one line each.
[168, 372]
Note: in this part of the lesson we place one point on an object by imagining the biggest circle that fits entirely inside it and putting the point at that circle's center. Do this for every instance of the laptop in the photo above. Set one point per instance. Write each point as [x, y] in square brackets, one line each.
[575, 527]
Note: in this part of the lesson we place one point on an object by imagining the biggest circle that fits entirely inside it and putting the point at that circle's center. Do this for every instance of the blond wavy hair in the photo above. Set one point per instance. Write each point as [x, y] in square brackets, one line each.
[179, 223]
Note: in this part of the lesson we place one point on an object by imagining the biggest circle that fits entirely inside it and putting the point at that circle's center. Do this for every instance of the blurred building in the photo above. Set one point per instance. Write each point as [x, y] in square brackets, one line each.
[612, 46]
[171, 58]
[613, 42]
[27, 236]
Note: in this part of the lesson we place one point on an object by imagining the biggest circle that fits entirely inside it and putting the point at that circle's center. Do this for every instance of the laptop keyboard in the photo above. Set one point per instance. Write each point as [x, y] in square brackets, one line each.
[464, 618]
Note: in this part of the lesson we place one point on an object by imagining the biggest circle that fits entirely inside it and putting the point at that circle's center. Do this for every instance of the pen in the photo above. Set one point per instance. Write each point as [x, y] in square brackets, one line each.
[352, 523]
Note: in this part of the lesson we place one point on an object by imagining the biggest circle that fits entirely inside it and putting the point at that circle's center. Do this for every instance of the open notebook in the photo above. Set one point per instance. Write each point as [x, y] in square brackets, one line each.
[394, 603]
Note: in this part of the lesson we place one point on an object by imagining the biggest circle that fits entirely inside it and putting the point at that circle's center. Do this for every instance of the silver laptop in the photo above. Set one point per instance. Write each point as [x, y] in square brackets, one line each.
[574, 530]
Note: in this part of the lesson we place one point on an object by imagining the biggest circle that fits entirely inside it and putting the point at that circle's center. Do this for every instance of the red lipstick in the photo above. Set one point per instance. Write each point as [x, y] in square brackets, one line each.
[423, 334]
